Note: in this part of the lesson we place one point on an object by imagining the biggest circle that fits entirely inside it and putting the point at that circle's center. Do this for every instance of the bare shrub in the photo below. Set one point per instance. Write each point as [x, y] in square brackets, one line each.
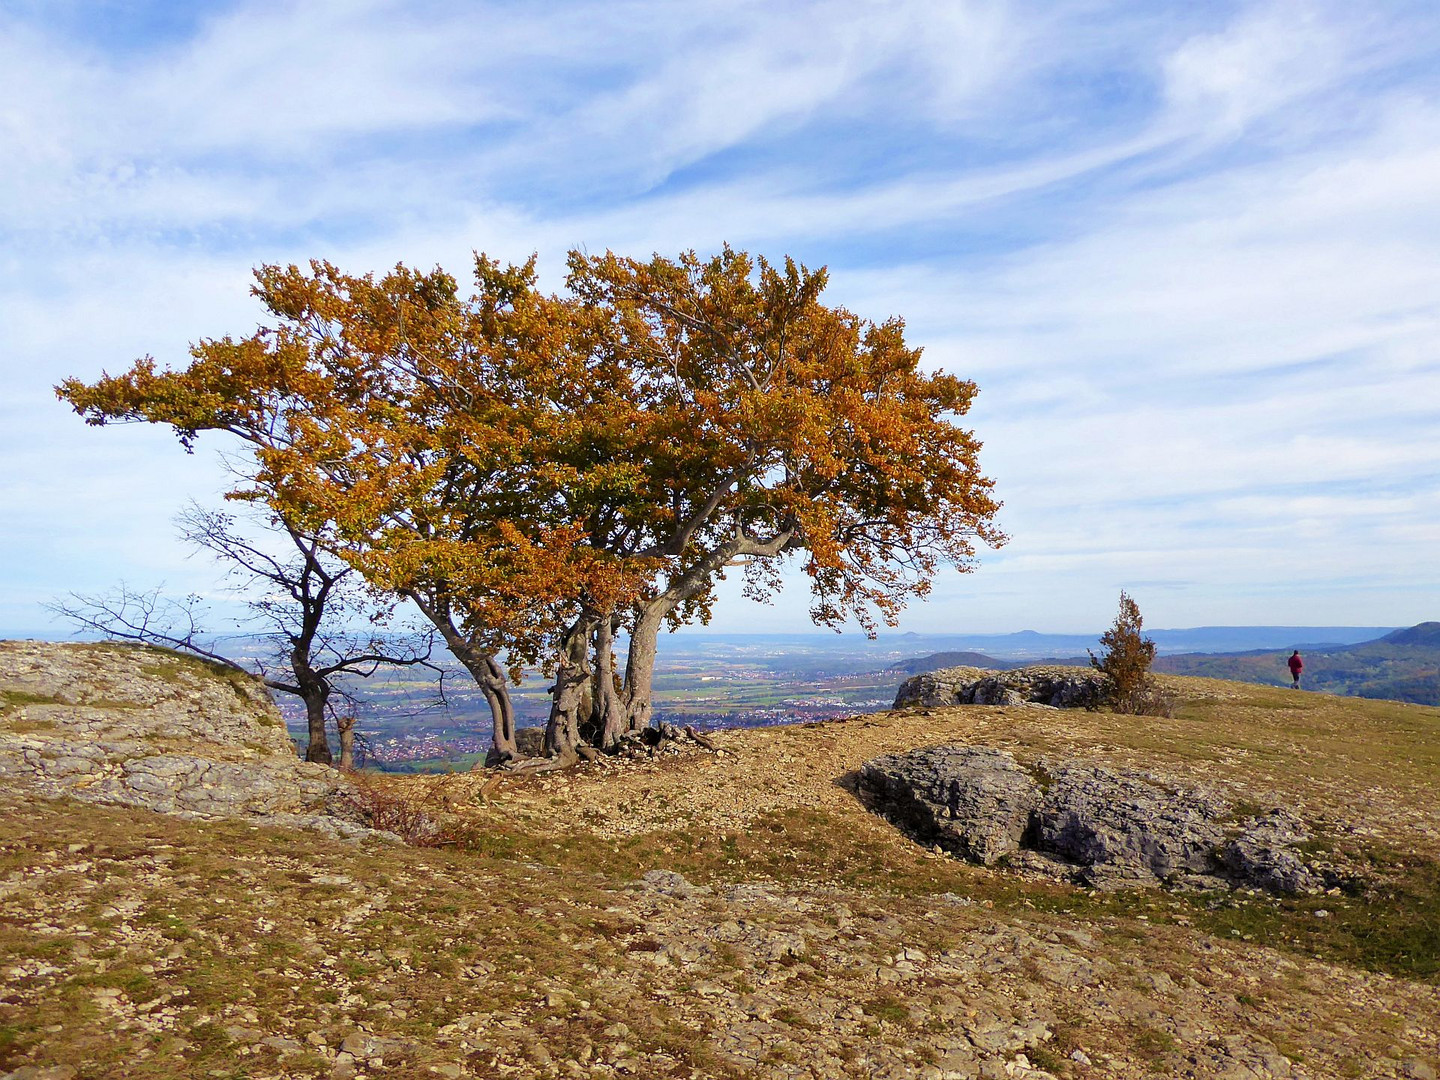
[1150, 700]
[379, 806]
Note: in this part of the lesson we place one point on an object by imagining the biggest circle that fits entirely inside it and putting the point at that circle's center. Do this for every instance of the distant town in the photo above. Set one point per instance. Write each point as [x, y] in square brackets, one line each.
[402, 720]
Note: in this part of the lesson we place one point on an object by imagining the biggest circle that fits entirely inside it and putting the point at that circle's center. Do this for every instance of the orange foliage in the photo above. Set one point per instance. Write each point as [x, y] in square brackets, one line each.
[775, 423]
[528, 459]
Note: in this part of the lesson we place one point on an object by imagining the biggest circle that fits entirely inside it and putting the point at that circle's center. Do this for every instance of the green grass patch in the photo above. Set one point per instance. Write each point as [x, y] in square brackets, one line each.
[13, 700]
[1154, 1045]
[1390, 925]
[888, 1009]
[1051, 1061]
[31, 727]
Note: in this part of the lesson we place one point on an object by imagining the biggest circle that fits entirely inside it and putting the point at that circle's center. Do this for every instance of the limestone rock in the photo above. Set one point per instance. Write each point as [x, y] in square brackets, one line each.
[972, 801]
[1058, 687]
[361, 1044]
[136, 726]
[937, 689]
[670, 883]
[1126, 826]
[1264, 853]
[1101, 827]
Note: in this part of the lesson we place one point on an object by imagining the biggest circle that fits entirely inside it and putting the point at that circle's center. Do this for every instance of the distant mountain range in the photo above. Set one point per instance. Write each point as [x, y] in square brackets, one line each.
[1403, 665]
[1031, 645]
[1367, 661]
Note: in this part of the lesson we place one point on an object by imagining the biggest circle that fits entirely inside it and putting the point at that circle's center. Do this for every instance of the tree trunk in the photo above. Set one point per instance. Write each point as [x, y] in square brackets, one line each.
[491, 678]
[609, 715]
[483, 668]
[315, 698]
[314, 692]
[572, 680]
[496, 688]
[346, 726]
[640, 662]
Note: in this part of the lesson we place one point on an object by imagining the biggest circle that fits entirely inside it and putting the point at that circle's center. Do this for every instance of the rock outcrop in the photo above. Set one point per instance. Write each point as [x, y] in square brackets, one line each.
[1102, 828]
[973, 801]
[1058, 687]
[138, 726]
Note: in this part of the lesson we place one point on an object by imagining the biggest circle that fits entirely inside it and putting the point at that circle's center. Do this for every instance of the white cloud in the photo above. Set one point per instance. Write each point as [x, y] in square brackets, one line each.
[1190, 263]
[1262, 61]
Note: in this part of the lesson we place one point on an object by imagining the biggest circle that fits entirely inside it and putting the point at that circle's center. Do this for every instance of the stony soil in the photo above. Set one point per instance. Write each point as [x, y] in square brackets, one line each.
[1363, 766]
[739, 914]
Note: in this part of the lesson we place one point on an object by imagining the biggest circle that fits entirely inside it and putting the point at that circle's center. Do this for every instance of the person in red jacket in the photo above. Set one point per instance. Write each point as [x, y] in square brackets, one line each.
[1296, 667]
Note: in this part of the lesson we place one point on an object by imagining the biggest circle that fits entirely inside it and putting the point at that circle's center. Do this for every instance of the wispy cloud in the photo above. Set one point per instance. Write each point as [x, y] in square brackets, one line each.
[1187, 252]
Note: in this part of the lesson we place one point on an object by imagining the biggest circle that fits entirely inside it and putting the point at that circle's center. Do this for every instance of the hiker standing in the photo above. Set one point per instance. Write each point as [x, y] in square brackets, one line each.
[1297, 665]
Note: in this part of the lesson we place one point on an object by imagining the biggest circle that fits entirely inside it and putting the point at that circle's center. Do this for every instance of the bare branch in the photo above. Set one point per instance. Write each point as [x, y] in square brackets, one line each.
[145, 617]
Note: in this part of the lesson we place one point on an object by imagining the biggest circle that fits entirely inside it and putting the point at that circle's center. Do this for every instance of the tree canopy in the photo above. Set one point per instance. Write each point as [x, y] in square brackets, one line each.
[541, 472]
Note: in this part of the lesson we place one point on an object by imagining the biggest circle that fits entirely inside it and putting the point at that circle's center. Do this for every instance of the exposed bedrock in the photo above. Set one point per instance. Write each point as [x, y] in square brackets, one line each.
[1102, 828]
[1058, 687]
[132, 726]
[973, 801]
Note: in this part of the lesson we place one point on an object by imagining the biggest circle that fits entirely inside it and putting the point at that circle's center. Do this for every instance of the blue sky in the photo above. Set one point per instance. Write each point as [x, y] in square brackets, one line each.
[1188, 251]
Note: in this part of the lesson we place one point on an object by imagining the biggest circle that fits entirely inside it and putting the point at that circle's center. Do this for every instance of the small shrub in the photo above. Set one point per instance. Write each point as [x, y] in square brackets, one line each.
[1125, 664]
[379, 807]
[1151, 700]
[887, 1007]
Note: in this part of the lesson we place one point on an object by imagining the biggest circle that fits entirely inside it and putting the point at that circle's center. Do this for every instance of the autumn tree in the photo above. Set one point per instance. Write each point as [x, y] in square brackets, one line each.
[1125, 659]
[301, 601]
[431, 436]
[765, 424]
[543, 474]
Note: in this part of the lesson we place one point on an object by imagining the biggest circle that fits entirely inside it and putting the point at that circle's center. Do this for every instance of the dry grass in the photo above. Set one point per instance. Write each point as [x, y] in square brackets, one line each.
[779, 807]
[131, 941]
[13, 700]
[1347, 760]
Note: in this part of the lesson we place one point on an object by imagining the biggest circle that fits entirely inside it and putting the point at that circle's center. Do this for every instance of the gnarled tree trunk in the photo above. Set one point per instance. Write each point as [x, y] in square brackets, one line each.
[346, 727]
[650, 615]
[640, 662]
[490, 677]
[608, 714]
[570, 692]
[483, 668]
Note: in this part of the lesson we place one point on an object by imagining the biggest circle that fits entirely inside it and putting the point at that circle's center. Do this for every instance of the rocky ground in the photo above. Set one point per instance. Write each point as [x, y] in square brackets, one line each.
[1046, 684]
[1095, 826]
[739, 913]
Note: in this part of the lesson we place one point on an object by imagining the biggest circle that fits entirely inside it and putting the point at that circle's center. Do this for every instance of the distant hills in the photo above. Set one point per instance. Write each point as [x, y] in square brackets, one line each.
[936, 661]
[1366, 661]
[1031, 645]
[1402, 665]
[1423, 635]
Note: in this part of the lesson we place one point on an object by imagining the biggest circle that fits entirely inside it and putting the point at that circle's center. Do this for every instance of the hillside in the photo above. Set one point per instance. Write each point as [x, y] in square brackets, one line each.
[738, 914]
[936, 661]
[1401, 666]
